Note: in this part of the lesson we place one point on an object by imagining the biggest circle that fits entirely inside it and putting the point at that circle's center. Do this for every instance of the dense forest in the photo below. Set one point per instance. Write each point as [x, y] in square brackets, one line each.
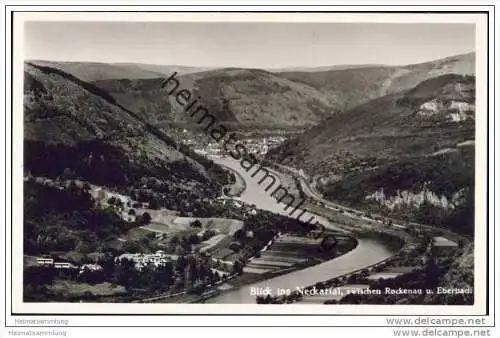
[100, 163]
[58, 220]
[444, 175]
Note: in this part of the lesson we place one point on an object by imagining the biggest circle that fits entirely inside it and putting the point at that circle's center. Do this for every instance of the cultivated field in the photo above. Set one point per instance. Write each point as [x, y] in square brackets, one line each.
[286, 252]
[216, 245]
[169, 224]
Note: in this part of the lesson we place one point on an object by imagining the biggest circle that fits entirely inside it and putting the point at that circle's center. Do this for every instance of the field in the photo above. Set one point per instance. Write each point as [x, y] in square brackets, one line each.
[216, 242]
[217, 245]
[73, 289]
[286, 252]
[170, 224]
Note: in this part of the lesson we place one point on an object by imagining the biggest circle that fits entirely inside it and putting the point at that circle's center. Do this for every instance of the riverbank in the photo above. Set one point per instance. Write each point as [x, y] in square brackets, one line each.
[298, 260]
[367, 252]
[410, 257]
[238, 289]
[242, 282]
[238, 187]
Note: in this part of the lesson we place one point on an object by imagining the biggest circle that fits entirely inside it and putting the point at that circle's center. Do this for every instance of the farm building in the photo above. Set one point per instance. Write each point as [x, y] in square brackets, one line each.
[45, 261]
[159, 258]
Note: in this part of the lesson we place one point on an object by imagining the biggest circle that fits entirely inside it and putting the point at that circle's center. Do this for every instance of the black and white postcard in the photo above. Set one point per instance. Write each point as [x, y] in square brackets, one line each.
[250, 163]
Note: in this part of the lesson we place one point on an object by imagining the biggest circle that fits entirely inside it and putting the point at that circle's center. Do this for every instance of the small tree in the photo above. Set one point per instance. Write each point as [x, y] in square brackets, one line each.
[237, 267]
[193, 239]
[208, 234]
[196, 224]
[67, 174]
[73, 186]
[153, 203]
[146, 218]
[179, 250]
[240, 235]
[131, 246]
[235, 246]
[119, 203]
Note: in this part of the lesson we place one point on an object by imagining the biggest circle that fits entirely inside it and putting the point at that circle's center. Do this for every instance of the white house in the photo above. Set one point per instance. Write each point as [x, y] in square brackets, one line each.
[159, 258]
[90, 267]
[64, 265]
[45, 261]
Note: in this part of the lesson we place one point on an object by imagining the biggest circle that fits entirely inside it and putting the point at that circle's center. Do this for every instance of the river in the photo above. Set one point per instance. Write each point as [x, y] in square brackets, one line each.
[368, 251]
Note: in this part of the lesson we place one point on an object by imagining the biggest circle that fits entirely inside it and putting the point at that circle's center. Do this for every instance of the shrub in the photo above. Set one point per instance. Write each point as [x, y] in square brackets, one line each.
[196, 224]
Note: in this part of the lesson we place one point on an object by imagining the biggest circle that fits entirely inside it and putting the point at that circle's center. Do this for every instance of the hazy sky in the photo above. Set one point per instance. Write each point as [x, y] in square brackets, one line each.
[259, 45]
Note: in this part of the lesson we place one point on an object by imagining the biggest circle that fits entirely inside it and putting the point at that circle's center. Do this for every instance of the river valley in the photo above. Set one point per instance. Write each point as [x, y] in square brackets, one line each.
[368, 251]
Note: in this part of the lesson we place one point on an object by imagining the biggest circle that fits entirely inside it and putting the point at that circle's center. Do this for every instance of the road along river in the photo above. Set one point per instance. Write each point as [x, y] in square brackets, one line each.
[368, 251]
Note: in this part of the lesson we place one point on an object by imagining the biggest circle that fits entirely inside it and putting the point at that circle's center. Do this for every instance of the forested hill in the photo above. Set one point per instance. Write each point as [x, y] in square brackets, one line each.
[94, 71]
[255, 98]
[241, 97]
[72, 125]
[411, 151]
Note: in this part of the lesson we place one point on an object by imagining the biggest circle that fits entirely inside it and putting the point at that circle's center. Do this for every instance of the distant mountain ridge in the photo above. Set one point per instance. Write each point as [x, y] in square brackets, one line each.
[353, 86]
[166, 69]
[252, 98]
[322, 68]
[240, 96]
[95, 71]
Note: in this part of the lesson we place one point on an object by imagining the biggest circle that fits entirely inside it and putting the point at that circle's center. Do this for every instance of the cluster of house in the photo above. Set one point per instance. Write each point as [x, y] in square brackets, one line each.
[252, 145]
[234, 201]
[159, 258]
[66, 265]
[262, 145]
[140, 260]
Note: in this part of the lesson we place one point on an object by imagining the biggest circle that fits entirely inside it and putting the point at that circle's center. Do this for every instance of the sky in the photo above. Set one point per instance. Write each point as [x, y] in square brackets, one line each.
[249, 45]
